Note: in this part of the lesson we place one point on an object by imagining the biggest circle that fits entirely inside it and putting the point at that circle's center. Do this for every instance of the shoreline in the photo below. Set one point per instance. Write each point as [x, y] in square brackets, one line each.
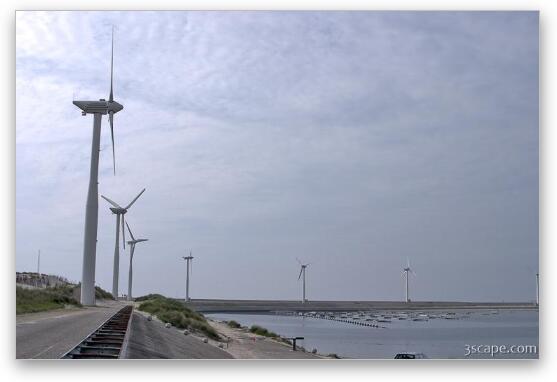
[242, 344]
[270, 306]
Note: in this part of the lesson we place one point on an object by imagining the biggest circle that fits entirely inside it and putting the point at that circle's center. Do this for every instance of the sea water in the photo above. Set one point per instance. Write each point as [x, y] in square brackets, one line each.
[492, 333]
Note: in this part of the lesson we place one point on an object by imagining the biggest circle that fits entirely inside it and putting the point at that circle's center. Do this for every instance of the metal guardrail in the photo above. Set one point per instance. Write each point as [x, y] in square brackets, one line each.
[106, 341]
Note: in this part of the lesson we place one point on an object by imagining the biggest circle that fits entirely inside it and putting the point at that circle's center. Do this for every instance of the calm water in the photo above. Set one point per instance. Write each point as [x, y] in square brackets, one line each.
[436, 338]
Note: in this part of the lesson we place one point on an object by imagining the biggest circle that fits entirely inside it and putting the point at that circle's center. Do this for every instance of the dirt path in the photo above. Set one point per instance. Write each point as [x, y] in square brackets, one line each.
[245, 345]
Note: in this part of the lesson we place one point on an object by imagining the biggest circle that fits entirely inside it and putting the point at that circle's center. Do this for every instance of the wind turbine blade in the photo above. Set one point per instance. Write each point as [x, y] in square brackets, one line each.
[300, 275]
[114, 204]
[133, 201]
[123, 232]
[111, 97]
[298, 260]
[111, 119]
[407, 262]
[130, 231]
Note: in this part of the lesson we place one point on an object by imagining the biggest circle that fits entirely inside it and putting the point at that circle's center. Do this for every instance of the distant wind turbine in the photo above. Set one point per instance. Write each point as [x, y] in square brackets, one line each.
[189, 267]
[119, 211]
[406, 272]
[98, 109]
[132, 244]
[303, 273]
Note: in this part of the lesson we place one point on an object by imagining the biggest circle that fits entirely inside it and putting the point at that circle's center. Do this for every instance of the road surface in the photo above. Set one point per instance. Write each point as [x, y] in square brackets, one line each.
[51, 334]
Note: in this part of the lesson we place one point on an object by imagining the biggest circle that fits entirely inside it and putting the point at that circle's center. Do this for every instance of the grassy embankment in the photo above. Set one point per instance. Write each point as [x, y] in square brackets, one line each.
[58, 297]
[176, 313]
[259, 330]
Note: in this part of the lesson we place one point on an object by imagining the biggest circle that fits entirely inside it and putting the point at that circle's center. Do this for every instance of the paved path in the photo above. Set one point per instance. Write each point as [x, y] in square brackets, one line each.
[51, 334]
[150, 339]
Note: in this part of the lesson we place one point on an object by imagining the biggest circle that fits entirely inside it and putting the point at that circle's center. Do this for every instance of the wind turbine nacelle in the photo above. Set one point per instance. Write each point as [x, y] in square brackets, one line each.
[98, 107]
[118, 210]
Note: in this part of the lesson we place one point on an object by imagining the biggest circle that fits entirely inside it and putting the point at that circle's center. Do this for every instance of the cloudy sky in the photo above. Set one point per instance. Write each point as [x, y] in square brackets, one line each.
[350, 140]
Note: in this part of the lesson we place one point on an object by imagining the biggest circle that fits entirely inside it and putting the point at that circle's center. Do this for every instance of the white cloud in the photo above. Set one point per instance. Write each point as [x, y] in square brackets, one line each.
[353, 137]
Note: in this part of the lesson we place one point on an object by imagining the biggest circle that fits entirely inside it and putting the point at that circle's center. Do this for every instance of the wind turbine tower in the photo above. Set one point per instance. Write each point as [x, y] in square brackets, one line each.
[189, 262]
[132, 244]
[303, 276]
[98, 109]
[39, 263]
[406, 272]
[119, 211]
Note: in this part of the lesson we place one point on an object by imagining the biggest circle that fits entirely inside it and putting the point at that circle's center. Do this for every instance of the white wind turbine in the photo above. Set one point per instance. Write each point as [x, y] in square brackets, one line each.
[406, 272]
[303, 273]
[98, 109]
[119, 211]
[132, 244]
[189, 267]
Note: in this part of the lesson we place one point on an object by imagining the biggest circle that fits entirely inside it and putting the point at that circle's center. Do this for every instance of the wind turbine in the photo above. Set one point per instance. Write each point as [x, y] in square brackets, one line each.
[406, 272]
[132, 244]
[119, 211]
[98, 109]
[303, 273]
[189, 266]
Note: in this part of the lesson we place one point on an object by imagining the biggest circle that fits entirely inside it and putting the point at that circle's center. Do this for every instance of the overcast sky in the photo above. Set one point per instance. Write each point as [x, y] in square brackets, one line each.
[350, 140]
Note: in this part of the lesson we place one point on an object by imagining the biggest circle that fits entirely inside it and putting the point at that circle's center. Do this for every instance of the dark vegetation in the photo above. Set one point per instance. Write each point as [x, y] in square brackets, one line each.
[150, 296]
[101, 294]
[234, 324]
[256, 329]
[38, 300]
[48, 297]
[176, 313]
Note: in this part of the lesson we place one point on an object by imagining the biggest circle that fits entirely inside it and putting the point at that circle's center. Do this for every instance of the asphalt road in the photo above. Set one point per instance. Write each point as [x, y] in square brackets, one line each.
[151, 340]
[51, 334]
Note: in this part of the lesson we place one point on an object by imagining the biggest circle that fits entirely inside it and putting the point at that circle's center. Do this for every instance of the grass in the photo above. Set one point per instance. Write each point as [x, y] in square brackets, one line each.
[256, 329]
[233, 324]
[149, 297]
[102, 294]
[38, 300]
[42, 299]
[177, 314]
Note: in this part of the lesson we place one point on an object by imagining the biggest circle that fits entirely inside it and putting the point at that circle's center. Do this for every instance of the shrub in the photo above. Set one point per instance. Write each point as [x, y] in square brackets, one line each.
[233, 324]
[38, 300]
[102, 294]
[256, 329]
[177, 313]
